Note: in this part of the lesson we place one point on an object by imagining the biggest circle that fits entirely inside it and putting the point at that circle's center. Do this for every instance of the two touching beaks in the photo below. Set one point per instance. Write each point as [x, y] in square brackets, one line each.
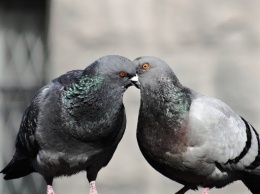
[135, 81]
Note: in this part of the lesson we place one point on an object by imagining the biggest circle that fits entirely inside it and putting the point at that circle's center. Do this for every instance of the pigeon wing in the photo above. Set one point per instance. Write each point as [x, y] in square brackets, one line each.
[26, 144]
[221, 136]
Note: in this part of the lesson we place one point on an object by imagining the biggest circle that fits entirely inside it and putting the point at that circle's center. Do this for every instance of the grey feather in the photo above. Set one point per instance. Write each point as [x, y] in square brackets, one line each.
[191, 138]
[74, 123]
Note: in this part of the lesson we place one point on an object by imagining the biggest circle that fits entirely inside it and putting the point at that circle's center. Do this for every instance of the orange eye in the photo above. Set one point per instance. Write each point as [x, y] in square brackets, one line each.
[122, 74]
[145, 66]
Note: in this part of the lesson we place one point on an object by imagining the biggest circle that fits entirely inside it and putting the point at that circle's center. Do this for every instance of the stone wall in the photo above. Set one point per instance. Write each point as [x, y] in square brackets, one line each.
[213, 47]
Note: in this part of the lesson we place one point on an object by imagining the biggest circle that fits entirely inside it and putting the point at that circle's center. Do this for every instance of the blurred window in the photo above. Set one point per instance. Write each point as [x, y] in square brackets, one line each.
[23, 67]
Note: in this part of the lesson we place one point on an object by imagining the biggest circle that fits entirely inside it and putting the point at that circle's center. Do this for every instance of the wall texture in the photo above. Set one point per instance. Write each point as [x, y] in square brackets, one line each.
[213, 47]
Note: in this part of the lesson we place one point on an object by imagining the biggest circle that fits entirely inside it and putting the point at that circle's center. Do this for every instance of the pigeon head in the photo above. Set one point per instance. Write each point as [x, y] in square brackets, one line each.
[159, 84]
[153, 71]
[115, 70]
[105, 80]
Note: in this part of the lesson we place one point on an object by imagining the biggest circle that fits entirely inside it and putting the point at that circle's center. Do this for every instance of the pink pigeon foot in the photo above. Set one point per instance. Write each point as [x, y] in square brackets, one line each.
[93, 189]
[205, 191]
[50, 189]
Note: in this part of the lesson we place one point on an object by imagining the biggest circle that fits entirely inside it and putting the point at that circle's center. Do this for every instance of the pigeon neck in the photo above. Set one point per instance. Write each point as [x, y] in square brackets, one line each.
[162, 119]
[168, 99]
[88, 91]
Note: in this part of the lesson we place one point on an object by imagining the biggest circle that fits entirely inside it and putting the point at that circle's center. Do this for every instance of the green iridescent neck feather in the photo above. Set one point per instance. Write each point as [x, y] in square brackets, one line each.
[179, 105]
[173, 100]
[86, 87]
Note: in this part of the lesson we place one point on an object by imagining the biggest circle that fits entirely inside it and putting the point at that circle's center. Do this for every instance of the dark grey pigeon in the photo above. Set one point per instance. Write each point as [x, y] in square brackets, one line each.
[190, 138]
[75, 123]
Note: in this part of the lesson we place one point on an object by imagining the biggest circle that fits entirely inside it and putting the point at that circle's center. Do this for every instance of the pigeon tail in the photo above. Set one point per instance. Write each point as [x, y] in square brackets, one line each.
[252, 182]
[17, 168]
[186, 188]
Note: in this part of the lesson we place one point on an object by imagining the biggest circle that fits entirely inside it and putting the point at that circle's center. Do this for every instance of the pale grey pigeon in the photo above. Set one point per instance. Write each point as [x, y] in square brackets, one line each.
[190, 138]
[74, 123]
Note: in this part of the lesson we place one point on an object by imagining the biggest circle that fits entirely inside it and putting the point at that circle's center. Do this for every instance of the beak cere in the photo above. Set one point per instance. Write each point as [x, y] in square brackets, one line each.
[135, 81]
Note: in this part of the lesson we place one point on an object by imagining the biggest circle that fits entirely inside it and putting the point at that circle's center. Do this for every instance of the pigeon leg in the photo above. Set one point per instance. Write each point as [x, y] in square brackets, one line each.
[92, 172]
[49, 185]
[205, 191]
[50, 189]
[93, 189]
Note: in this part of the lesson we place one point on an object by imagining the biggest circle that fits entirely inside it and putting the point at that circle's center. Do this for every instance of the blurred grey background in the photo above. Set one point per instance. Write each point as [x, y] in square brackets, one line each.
[213, 47]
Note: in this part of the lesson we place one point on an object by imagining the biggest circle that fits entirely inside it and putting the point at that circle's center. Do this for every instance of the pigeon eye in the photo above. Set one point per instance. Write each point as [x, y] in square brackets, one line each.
[145, 66]
[122, 74]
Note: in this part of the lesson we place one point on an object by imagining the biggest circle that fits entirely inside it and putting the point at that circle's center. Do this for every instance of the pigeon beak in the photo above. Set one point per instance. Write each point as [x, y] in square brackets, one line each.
[135, 81]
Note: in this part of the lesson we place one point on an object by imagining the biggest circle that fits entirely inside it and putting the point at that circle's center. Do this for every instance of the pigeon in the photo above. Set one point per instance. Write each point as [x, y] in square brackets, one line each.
[193, 139]
[74, 123]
